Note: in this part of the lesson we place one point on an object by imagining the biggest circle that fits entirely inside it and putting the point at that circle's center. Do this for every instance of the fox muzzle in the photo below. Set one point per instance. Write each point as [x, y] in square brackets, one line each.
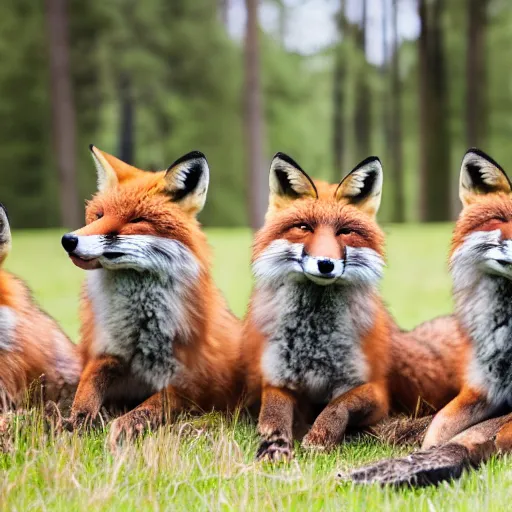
[323, 271]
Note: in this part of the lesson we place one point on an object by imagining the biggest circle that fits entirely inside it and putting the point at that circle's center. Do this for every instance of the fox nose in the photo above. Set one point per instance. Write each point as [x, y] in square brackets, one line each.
[325, 266]
[69, 242]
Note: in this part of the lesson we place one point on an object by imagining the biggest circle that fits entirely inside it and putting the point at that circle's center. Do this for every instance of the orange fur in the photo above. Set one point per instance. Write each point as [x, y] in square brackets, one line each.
[326, 212]
[335, 224]
[211, 353]
[416, 372]
[427, 366]
[468, 430]
[38, 347]
[483, 211]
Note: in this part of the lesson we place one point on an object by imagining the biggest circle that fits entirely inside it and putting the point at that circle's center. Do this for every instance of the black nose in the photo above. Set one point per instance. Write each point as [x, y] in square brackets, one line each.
[325, 266]
[69, 242]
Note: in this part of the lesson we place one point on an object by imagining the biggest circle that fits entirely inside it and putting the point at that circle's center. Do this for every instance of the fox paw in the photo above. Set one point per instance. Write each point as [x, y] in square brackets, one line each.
[127, 428]
[80, 421]
[275, 448]
[318, 441]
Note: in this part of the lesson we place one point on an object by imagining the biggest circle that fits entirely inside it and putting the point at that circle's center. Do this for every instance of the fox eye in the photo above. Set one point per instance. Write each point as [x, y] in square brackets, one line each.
[304, 227]
[344, 231]
[138, 219]
[99, 215]
[501, 219]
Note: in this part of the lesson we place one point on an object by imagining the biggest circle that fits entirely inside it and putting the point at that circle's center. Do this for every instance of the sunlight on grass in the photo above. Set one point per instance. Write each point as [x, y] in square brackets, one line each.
[207, 463]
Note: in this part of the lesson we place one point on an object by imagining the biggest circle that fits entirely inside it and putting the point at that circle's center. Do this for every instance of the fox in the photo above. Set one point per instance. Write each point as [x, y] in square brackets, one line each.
[477, 423]
[37, 359]
[316, 333]
[157, 336]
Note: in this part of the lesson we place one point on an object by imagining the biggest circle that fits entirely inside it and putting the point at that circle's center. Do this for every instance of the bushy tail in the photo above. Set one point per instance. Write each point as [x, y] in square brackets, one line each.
[439, 463]
[418, 469]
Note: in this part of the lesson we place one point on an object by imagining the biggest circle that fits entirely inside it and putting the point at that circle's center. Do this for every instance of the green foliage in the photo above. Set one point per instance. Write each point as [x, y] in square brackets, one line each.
[24, 114]
[186, 80]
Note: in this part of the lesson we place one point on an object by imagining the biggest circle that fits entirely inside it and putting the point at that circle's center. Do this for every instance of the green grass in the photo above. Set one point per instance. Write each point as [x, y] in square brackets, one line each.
[207, 463]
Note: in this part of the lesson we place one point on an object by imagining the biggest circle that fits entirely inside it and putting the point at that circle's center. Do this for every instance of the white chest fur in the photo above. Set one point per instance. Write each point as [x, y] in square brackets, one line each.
[485, 311]
[139, 316]
[313, 337]
[7, 327]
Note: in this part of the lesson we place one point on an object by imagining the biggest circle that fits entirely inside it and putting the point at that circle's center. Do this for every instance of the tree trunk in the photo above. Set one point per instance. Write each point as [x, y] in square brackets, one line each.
[435, 178]
[63, 111]
[362, 119]
[223, 7]
[283, 17]
[476, 73]
[398, 214]
[386, 92]
[126, 121]
[258, 179]
[339, 76]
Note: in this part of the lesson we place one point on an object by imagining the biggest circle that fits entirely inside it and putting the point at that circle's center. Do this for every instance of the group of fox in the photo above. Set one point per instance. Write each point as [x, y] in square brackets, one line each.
[317, 345]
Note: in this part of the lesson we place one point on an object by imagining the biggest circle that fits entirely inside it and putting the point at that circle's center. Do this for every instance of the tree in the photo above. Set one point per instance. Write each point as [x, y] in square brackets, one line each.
[126, 120]
[254, 119]
[398, 214]
[386, 82]
[338, 107]
[434, 117]
[362, 114]
[63, 110]
[223, 6]
[476, 73]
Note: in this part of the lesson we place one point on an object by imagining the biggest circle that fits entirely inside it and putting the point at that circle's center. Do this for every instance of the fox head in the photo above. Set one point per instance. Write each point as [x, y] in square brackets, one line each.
[314, 232]
[5, 234]
[482, 240]
[142, 220]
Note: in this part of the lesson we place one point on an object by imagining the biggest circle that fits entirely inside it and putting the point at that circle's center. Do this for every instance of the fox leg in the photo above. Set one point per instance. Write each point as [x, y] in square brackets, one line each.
[97, 377]
[504, 436]
[466, 409]
[360, 406]
[151, 413]
[445, 462]
[275, 424]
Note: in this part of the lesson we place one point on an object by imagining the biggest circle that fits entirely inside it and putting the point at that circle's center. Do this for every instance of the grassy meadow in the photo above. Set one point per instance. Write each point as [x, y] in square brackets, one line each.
[207, 463]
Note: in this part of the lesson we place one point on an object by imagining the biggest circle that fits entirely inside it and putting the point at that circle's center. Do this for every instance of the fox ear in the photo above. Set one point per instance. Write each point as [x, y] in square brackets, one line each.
[111, 171]
[187, 181]
[5, 233]
[362, 187]
[287, 182]
[480, 174]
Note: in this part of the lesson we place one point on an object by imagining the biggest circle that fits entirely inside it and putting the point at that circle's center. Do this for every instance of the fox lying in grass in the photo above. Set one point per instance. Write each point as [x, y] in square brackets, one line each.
[31, 343]
[481, 266]
[316, 333]
[157, 336]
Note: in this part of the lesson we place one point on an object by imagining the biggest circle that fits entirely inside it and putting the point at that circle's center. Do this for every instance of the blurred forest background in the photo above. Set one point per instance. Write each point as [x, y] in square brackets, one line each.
[327, 81]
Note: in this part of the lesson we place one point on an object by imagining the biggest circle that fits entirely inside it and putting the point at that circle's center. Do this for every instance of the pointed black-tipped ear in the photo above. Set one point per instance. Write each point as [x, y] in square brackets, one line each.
[5, 233]
[362, 187]
[288, 182]
[187, 181]
[480, 174]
